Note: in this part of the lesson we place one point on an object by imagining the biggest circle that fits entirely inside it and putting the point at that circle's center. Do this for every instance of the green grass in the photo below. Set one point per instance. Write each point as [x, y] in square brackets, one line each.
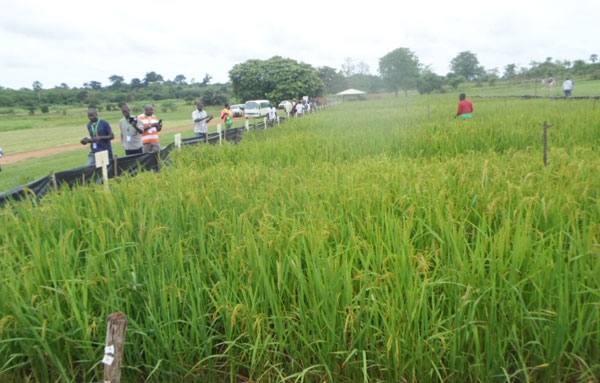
[379, 241]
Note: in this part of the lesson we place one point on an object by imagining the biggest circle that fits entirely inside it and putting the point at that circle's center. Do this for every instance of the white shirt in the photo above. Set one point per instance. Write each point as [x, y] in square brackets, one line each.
[272, 113]
[299, 109]
[200, 126]
[568, 85]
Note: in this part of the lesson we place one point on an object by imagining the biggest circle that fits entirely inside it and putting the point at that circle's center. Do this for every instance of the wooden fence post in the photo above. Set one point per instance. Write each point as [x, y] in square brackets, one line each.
[53, 178]
[546, 127]
[113, 351]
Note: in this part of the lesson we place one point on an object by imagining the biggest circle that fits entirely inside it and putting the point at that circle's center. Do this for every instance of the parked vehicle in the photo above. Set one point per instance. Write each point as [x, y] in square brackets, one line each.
[285, 105]
[256, 108]
[237, 110]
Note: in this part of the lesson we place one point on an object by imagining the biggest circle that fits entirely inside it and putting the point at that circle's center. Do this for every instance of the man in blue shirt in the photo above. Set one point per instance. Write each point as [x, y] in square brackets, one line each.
[100, 136]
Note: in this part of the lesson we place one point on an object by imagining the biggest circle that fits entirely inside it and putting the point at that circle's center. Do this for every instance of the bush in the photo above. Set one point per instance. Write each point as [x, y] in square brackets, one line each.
[168, 106]
[45, 108]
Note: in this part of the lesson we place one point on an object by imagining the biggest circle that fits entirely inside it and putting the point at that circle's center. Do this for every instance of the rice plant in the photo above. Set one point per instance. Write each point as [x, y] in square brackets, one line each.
[379, 241]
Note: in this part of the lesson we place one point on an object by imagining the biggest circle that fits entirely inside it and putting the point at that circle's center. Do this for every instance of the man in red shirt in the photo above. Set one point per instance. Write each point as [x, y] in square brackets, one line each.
[465, 107]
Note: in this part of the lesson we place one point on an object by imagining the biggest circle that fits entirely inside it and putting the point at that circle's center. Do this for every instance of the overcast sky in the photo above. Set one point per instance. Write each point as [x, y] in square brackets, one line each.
[74, 42]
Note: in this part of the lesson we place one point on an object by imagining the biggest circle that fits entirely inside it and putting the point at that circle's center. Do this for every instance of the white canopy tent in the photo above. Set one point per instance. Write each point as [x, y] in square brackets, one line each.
[350, 92]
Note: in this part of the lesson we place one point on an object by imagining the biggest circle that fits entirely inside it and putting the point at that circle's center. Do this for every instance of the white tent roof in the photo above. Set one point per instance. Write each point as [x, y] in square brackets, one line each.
[350, 92]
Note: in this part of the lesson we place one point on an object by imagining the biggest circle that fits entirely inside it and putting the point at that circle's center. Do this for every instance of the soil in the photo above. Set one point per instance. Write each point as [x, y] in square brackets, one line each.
[13, 158]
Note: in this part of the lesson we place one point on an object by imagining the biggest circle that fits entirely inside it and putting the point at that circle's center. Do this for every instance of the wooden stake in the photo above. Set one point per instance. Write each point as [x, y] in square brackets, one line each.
[546, 127]
[53, 178]
[115, 342]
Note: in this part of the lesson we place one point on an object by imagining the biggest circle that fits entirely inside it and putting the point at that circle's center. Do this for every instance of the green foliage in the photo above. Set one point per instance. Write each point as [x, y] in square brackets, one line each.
[152, 78]
[334, 81]
[548, 68]
[31, 107]
[275, 79]
[467, 65]
[116, 81]
[213, 97]
[44, 108]
[429, 82]
[166, 106]
[399, 69]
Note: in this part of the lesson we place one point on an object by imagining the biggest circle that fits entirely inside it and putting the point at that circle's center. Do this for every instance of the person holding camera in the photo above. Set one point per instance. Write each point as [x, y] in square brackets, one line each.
[131, 135]
[100, 136]
[150, 125]
[201, 118]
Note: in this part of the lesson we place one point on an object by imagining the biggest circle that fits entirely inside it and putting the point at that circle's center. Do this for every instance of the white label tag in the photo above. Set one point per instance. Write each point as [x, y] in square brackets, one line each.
[109, 349]
[94, 146]
[128, 138]
[101, 158]
[108, 360]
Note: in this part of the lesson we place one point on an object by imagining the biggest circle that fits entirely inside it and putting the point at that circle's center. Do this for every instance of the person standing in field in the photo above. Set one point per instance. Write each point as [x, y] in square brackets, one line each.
[226, 116]
[299, 109]
[150, 125]
[201, 119]
[465, 107]
[131, 135]
[272, 115]
[100, 135]
[568, 87]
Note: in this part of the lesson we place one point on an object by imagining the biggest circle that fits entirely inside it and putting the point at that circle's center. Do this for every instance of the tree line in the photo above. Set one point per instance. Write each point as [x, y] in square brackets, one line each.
[281, 78]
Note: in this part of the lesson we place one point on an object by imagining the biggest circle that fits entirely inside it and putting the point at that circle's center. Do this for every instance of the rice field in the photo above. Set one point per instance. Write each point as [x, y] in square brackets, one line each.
[379, 241]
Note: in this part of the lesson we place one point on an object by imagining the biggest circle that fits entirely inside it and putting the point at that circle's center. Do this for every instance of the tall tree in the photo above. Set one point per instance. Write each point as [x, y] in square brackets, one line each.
[179, 79]
[429, 81]
[206, 79]
[399, 69]
[116, 81]
[510, 71]
[348, 67]
[334, 81]
[37, 87]
[95, 84]
[593, 58]
[363, 68]
[275, 79]
[152, 78]
[135, 83]
[466, 64]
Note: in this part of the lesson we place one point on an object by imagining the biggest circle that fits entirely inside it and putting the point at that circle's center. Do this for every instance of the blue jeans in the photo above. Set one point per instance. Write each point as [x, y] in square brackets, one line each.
[91, 160]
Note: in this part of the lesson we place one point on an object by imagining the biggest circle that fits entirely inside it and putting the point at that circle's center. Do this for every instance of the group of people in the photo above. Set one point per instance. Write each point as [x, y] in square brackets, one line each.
[138, 134]
[301, 108]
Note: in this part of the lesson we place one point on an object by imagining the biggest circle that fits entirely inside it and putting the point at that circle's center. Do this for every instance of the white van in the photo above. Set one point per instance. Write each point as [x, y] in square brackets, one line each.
[257, 108]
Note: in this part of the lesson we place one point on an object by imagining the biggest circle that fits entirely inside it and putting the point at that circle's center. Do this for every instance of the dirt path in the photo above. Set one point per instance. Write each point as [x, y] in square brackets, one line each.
[18, 157]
